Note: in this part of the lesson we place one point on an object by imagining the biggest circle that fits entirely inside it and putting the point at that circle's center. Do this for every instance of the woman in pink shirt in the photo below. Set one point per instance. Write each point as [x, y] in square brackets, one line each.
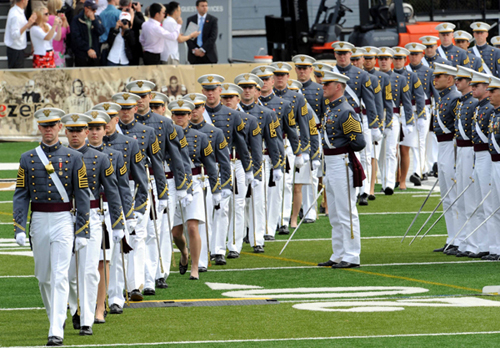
[59, 45]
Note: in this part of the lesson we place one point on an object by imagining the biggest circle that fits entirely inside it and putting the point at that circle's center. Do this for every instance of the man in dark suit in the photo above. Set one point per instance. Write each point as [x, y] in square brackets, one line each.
[203, 50]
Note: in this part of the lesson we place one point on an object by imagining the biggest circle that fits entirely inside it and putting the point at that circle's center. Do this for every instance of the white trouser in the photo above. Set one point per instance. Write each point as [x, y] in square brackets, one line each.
[419, 163]
[238, 205]
[446, 160]
[390, 162]
[431, 150]
[52, 239]
[220, 227]
[289, 182]
[465, 204]
[482, 177]
[344, 248]
[152, 261]
[136, 258]
[309, 195]
[255, 215]
[207, 226]
[495, 203]
[88, 273]
[366, 157]
[274, 198]
[166, 242]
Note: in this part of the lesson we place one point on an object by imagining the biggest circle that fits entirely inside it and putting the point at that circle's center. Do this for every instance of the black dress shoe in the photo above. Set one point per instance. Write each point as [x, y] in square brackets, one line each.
[194, 278]
[344, 264]
[397, 184]
[478, 255]
[55, 341]
[425, 177]
[269, 237]
[371, 197]
[258, 249]
[202, 269]
[440, 250]
[161, 283]
[233, 255]
[220, 260]
[309, 221]
[363, 199]
[135, 295]
[301, 213]
[490, 257]
[246, 240]
[86, 331]
[183, 268]
[99, 321]
[212, 257]
[149, 292]
[388, 191]
[76, 321]
[462, 253]
[322, 210]
[115, 309]
[451, 251]
[328, 263]
[415, 179]
[283, 230]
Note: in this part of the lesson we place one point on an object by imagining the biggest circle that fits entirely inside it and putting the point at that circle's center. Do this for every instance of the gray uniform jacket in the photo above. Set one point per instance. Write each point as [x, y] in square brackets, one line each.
[101, 174]
[314, 95]
[466, 108]
[426, 77]
[34, 184]
[437, 59]
[457, 56]
[416, 91]
[494, 132]
[134, 160]
[361, 85]
[379, 99]
[401, 97]
[483, 114]
[490, 56]
[231, 124]
[169, 142]
[202, 153]
[386, 90]
[150, 148]
[253, 136]
[219, 144]
[447, 106]
[476, 63]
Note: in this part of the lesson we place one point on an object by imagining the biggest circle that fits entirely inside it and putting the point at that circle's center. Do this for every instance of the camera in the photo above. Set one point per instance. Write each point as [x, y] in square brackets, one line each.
[126, 22]
[63, 9]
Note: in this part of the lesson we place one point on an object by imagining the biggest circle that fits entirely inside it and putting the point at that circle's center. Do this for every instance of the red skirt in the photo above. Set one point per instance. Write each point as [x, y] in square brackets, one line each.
[46, 61]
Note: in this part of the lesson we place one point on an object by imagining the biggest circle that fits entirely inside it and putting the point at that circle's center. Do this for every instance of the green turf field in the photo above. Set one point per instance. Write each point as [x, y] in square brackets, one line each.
[402, 296]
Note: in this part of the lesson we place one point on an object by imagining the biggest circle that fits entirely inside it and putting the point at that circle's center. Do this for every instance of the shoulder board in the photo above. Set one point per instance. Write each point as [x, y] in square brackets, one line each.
[155, 147]
[110, 170]
[208, 150]
[123, 170]
[20, 177]
[82, 176]
[173, 134]
[351, 125]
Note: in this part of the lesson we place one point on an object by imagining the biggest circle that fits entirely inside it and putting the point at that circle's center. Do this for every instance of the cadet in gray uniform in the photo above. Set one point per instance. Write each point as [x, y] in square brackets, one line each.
[100, 173]
[495, 41]
[444, 127]
[168, 142]
[456, 55]
[342, 135]
[359, 93]
[401, 96]
[232, 125]
[490, 55]
[464, 164]
[97, 131]
[410, 141]
[462, 40]
[287, 130]
[138, 186]
[221, 150]
[49, 177]
[431, 55]
[202, 156]
[384, 85]
[158, 103]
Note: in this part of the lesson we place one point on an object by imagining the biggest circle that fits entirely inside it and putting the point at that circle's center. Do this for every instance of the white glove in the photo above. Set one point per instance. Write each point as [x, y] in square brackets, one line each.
[421, 123]
[162, 204]
[226, 193]
[407, 130]
[305, 156]
[277, 175]
[216, 197]
[316, 164]
[140, 217]
[248, 178]
[299, 161]
[376, 134]
[387, 131]
[131, 223]
[118, 235]
[21, 238]
[80, 243]
[254, 183]
[181, 194]
[187, 200]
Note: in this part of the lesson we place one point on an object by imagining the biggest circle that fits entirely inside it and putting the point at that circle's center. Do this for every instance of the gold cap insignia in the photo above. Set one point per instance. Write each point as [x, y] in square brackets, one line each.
[192, 96]
[320, 66]
[478, 25]
[302, 58]
[74, 118]
[280, 65]
[289, 83]
[94, 114]
[210, 78]
[262, 68]
[180, 102]
[368, 49]
[246, 76]
[459, 33]
[125, 96]
[106, 106]
[46, 113]
[341, 45]
[445, 26]
[140, 83]
[414, 45]
[354, 50]
[225, 86]
[428, 39]
[153, 95]
[383, 50]
[397, 49]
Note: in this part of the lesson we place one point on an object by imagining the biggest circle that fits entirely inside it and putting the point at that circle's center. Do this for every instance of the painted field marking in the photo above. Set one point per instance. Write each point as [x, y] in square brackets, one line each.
[281, 339]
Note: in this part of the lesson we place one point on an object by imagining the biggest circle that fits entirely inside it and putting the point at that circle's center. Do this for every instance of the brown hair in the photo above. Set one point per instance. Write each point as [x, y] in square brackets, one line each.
[53, 6]
[39, 18]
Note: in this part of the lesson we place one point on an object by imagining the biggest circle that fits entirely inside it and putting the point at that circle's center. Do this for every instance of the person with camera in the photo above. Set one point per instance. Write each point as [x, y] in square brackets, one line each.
[109, 16]
[121, 41]
[86, 28]
[56, 9]
[42, 35]
[137, 19]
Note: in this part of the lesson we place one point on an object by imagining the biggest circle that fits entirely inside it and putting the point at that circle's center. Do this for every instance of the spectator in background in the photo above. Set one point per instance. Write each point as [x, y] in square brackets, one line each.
[137, 20]
[101, 6]
[170, 54]
[78, 7]
[203, 50]
[109, 17]
[54, 7]
[153, 35]
[122, 41]
[86, 28]
[15, 34]
[41, 39]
